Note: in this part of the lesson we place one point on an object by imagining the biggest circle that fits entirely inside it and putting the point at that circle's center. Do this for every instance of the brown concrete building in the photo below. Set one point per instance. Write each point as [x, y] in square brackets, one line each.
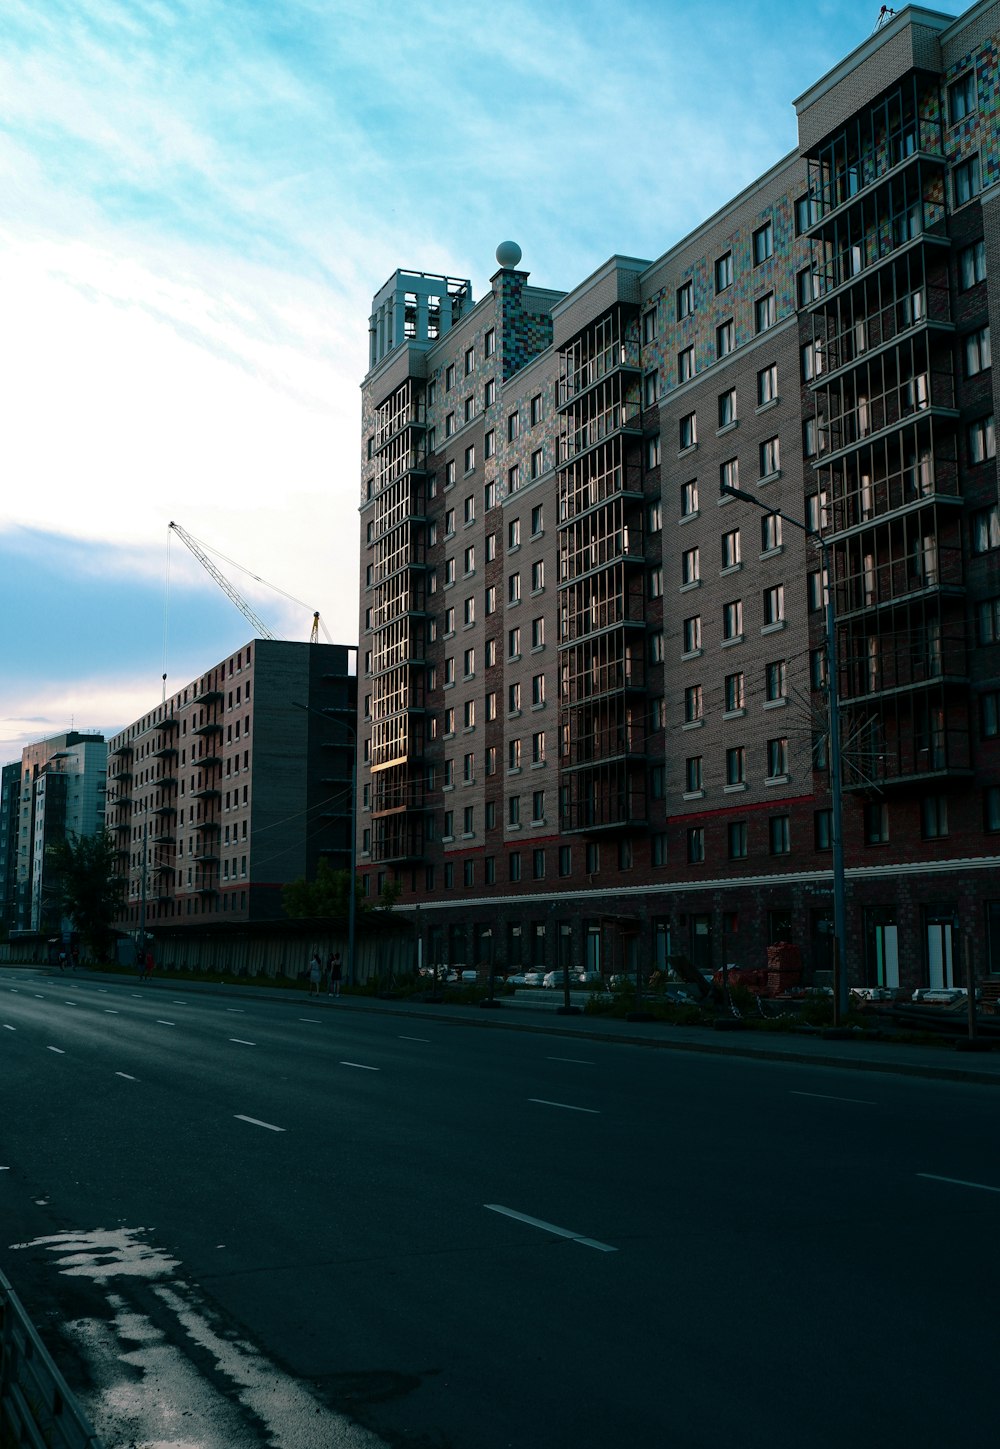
[228, 790]
[594, 706]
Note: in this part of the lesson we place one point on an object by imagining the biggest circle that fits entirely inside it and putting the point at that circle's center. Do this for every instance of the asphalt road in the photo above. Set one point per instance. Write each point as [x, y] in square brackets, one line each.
[243, 1221]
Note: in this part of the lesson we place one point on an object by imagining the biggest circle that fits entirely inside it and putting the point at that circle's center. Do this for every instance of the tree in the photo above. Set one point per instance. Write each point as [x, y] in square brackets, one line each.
[89, 889]
[326, 897]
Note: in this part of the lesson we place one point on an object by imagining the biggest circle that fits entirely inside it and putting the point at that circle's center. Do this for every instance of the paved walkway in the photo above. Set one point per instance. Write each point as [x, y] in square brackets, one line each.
[943, 1060]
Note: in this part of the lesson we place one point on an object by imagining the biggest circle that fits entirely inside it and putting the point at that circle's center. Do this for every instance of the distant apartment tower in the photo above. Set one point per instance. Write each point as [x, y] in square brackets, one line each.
[61, 796]
[10, 821]
[593, 695]
[234, 786]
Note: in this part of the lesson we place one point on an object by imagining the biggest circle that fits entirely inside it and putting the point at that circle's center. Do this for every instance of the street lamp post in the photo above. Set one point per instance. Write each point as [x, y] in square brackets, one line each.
[353, 832]
[836, 776]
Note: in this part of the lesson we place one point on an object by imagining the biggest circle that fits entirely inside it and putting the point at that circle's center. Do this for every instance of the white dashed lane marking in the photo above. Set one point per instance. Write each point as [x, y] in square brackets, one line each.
[566, 1106]
[415, 1038]
[361, 1066]
[161, 1022]
[958, 1182]
[56, 1049]
[494, 1207]
[126, 1076]
[240, 1042]
[256, 1122]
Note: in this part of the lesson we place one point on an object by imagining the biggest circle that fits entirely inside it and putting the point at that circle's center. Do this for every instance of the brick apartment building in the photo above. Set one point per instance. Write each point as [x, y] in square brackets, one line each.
[593, 704]
[228, 790]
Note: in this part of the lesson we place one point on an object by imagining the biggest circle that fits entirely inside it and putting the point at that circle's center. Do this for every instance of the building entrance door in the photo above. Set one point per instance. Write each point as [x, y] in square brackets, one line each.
[940, 953]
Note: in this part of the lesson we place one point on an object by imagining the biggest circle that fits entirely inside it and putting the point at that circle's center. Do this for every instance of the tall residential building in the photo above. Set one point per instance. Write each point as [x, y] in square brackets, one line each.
[61, 796]
[10, 824]
[235, 785]
[594, 692]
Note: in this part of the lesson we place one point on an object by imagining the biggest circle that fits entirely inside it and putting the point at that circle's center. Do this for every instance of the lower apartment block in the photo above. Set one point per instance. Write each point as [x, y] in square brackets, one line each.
[234, 786]
[593, 706]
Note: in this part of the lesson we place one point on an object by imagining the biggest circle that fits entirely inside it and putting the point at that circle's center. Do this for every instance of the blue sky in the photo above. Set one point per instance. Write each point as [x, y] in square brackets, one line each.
[198, 201]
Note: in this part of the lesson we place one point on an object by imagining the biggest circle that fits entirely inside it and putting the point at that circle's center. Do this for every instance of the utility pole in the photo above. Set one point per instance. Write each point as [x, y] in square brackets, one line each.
[836, 775]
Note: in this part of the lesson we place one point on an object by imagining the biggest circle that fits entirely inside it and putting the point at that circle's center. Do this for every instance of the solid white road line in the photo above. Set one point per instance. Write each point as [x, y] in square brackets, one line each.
[161, 1022]
[240, 1042]
[415, 1038]
[826, 1097]
[542, 1102]
[495, 1207]
[256, 1122]
[126, 1076]
[958, 1182]
[578, 1060]
[361, 1066]
[56, 1049]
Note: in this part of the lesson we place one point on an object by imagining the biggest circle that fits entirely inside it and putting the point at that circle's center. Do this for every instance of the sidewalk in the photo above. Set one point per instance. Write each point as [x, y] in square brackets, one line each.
[943, 1062]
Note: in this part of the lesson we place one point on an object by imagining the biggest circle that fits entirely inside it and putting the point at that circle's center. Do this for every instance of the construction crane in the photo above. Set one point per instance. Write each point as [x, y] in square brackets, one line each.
[198, 549]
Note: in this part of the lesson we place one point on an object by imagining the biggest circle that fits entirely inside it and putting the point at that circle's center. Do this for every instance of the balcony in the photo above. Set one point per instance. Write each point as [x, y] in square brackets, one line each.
[211, 726]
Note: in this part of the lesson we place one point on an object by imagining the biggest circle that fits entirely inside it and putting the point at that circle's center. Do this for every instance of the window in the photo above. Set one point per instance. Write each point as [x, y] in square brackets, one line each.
[724, 272]
[470, 610]
[696, 845]
[449, 522]
[491, 547]
[732, 619]
[770, 457]
[689, 498]
[986, 529]
[593, 857]
[537, 463]
[823, 829]
[491, 600]
[988, 621]
[764, 313]
[972, 265]
[449, 571]
[491, 653]
[735, 695]
[538, 689]
[694, 703]
[729, 473]
[537, 520]
[514, 810]
[657, 778]
[690, 567]
[514, 643]
[449, 825]
[650, 388]
[489, 342]
[876, 823]
[469, 663]
[774, 604]
[514, 865]
[469, 560]
[977, 352]
[767, 385]
[688, 431]
[449, 426]
[724, 338]
[933, 818]
[806, 286]
[649, 325]
[779, 835]
[536, 409]
[965, 179]
[727, 408]
[514, 478]
[470, 408]
[514, 534]
[538, 805]
[538, 576]
[489, 392]
[514, 589]
[513, 754]
[763, 244]
[491, 760]
[812, 361]
[770, 532]
[685, 300]
[810, 437]
[513, 426]
[656, 583]
[658, 849]
[656, 647]
[693, 775]
[817, 668]
[736, 765]
[982, 440]
[731, 549]
[449, 670]
[514, 698]
[470, 458]
[962, 97]
[449, 377]
[989, 715]
[489, 449]
[692, 634]
[538, 748]
[737, 839]
[491, 705]
[565, 860]
[538, 864]
[685, 364]
[991, 809]
[776, 680]
[777, 759]
[470, 360]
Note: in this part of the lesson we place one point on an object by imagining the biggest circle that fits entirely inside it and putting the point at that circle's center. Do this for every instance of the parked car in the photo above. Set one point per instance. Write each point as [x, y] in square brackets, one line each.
[516, 980]
[469, 978]
[553, 979]
[590, 978]
[534, 978]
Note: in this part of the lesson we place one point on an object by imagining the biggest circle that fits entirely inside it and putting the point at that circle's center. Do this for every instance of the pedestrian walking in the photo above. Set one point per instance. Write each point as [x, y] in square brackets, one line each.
[335, 972]
[62, 960]
[149, 965]
[315, 972]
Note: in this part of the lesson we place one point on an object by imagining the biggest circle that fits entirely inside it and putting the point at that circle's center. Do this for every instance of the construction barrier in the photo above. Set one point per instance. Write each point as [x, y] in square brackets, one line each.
[36, 1407]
